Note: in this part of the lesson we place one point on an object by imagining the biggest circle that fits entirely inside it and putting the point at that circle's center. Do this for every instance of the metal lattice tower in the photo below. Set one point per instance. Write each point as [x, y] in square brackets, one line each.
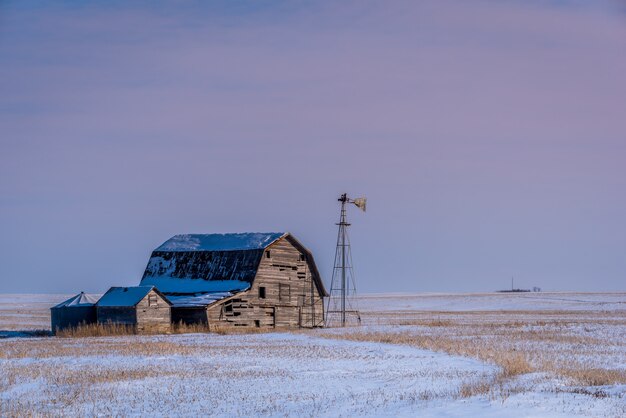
[342, 306]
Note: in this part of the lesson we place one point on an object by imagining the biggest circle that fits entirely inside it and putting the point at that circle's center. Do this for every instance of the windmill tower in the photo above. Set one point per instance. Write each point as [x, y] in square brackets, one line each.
[342, 306]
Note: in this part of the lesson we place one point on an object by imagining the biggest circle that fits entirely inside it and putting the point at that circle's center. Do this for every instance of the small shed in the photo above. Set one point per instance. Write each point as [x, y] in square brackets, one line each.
[144, 308]
[77, 310]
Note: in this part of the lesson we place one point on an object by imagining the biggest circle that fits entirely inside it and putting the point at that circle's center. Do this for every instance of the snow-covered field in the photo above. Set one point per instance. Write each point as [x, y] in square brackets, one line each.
[525, 301]
[487, 355]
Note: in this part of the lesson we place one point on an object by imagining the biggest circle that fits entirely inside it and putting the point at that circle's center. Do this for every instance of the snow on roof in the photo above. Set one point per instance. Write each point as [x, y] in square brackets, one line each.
[124, 296]
[220, 242]
[78, 301]
[202, 299]
[200, 266]
[170, 285]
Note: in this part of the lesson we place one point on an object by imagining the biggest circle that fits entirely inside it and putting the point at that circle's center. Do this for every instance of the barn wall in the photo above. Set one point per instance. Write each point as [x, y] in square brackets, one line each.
[71, 317]
[189, 316]
[153, 314]
[290, 300]
[122, 315]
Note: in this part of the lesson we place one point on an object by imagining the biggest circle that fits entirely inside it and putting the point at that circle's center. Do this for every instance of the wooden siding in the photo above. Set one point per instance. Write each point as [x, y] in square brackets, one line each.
[122, 315]
[292, 299]
[153, 314]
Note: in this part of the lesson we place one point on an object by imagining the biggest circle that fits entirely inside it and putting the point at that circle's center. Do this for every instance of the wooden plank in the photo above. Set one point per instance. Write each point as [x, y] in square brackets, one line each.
[291, 296]
[153, 314]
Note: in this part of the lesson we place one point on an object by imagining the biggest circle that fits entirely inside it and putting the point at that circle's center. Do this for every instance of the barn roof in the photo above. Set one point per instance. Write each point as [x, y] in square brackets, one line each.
[78, 301]
[220, 242]
[199, 269]
[127, 296]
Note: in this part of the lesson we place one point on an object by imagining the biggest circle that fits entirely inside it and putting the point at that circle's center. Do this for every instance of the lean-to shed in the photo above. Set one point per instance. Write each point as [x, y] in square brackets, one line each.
[144, 308]
[263, 280]
[77, 310]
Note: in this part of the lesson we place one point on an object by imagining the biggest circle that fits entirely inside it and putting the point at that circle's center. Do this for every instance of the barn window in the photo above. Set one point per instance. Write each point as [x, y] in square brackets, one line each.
[284, 292]
[301, 257]
[257, 323]
[262, 292]
[152, 300]
[267, 254]
[228, 307]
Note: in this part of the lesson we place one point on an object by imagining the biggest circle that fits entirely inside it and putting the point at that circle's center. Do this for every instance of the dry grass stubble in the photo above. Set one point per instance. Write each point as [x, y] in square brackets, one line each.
[518, 342]
[111, 330]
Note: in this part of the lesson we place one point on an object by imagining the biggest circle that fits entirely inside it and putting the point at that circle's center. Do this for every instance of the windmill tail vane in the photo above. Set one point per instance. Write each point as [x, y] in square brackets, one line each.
[361, 203]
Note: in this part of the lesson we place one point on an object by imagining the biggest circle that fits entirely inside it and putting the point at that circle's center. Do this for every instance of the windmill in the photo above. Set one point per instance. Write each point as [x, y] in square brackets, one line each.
[342, 306]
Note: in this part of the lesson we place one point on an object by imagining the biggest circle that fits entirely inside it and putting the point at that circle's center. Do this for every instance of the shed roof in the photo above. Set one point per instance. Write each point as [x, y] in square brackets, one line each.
[198, 299]
[220, 242]
[78, 301]
[127, 296]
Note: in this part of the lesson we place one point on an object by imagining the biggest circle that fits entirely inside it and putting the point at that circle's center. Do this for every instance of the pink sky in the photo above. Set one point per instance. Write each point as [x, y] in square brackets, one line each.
[490, 138]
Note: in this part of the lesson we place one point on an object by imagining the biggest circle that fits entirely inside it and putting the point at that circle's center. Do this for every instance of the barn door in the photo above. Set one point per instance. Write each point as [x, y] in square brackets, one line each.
[305, 317]
[308, 315]
[270, 317]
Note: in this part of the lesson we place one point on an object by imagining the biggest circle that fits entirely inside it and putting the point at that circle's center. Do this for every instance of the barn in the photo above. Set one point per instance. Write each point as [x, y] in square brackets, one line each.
[262, 280]
[77, 310]
[144, 308]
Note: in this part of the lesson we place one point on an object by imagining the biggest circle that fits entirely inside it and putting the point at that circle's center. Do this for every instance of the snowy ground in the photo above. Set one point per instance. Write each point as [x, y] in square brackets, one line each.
[19, 312]
[403, 362]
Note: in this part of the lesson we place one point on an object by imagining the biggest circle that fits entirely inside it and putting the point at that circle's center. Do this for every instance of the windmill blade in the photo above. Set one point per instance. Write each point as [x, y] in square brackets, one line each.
[360, 203]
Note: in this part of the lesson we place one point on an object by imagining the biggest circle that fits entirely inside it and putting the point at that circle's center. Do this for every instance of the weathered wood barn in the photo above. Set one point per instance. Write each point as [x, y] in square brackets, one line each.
[144, 308]
[77, 310]
[263, 280]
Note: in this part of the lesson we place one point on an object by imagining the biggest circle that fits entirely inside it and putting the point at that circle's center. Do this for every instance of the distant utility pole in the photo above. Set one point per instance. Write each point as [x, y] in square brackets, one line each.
[342, 306]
